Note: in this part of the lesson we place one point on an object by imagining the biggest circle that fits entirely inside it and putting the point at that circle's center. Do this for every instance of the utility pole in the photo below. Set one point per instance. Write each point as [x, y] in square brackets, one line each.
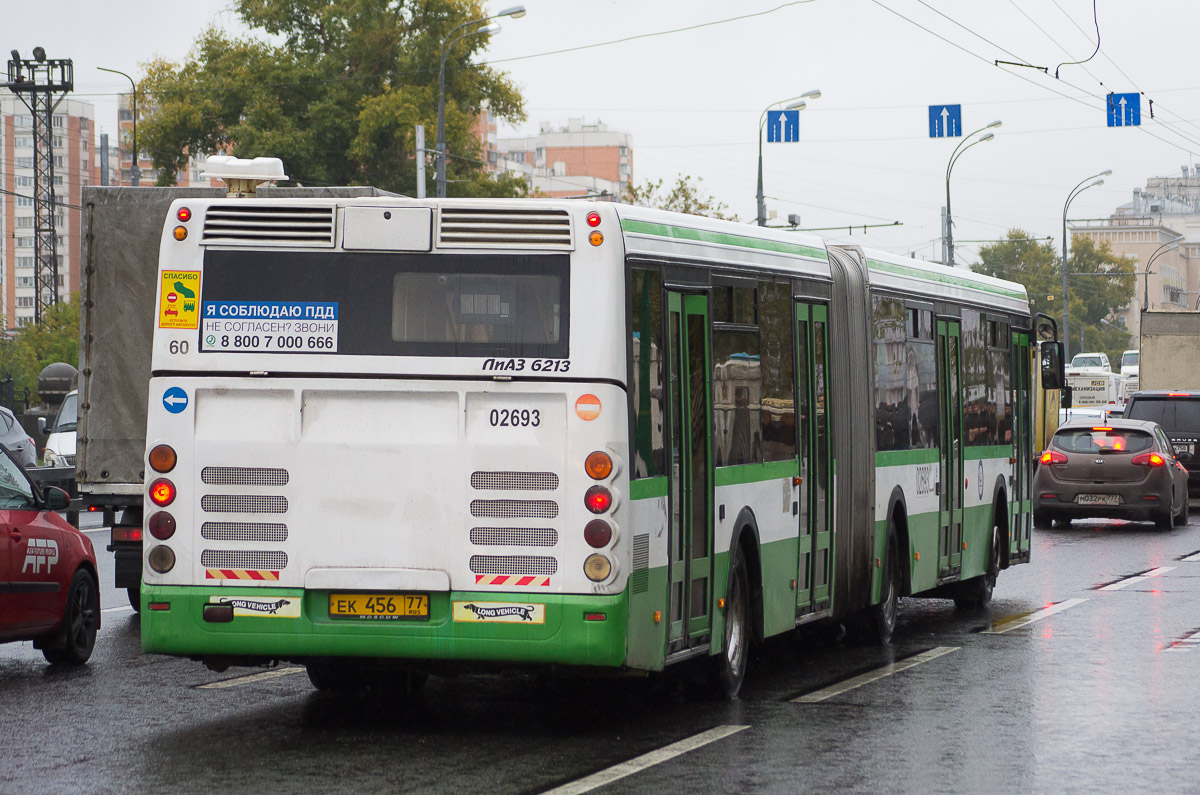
[41, 85]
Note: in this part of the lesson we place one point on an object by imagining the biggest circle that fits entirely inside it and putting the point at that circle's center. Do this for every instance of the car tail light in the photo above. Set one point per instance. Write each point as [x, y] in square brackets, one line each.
[1101, 429]
[598, 533]
[126, 533]
[1053, 457]
[162, 492]
[598, 499]
[162, 525]
[598, 465]
[162, 458]
[1148, 460]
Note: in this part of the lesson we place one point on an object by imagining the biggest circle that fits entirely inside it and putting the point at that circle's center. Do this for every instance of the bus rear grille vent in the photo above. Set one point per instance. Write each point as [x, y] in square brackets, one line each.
[514, 481]
[515, 509]
[243, 531]
[484, 227]
[256, 225]
[513, 564]
[244, 476]
[514, 536]
[237, 559]
[243, 503]
[639, 579]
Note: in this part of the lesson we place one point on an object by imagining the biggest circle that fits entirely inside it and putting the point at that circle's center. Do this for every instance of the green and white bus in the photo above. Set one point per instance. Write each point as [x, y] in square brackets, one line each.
[394, 437]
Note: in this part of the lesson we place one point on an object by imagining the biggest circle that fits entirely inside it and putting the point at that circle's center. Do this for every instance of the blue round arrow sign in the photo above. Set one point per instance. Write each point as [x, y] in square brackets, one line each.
[175, 400]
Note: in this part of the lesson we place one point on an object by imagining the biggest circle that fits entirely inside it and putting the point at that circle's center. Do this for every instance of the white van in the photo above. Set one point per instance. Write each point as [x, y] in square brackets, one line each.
[60, 444]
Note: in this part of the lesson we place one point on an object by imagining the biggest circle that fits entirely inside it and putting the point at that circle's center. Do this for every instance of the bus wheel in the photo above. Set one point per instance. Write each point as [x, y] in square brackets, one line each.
[731, 662]
[333, 676]
[977, 591]
[882, 621]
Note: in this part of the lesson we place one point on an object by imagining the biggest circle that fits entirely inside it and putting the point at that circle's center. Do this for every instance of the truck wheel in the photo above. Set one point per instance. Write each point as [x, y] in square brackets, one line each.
[135, 598]
[81, 619]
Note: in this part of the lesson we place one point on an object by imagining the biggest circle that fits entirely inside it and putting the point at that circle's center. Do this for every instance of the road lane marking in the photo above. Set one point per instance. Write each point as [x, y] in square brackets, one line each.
[1186, 643]
[1024, 621]
[1192, 558]
[640, 763]
[873, 676]
[250, 679]
[1119, 584]
[117, 609]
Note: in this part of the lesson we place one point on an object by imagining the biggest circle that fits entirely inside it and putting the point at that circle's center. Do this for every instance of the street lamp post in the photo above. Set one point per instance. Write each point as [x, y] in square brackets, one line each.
[1170, 245]
[963, 146]
[1091, 182]
[135, 173]
[800, 104]
[516, 12]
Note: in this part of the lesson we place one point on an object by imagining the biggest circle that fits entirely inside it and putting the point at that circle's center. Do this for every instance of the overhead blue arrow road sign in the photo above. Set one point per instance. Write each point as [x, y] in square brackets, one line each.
[783, 126]
[945, 121]
[1124, 110]
[175, 400]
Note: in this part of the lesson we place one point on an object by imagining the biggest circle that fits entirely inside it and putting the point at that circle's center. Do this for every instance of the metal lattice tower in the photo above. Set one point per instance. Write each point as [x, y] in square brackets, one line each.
[42, 84]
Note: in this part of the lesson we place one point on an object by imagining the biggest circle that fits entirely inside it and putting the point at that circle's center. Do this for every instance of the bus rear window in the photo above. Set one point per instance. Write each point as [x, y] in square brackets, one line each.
[452, 305]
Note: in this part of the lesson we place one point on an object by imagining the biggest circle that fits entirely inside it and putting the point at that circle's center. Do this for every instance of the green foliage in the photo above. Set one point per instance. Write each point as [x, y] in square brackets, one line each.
[682, 197]
[55, 339]
[1091, 298]
[337, 99]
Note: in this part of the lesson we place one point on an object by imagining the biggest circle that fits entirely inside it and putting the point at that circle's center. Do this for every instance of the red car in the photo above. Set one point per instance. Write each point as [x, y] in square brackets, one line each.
[48, 583]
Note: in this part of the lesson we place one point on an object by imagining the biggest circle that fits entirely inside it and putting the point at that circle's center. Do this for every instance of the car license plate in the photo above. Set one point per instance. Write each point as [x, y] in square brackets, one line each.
[1183, 448]
[379, 607]
[1098, 499]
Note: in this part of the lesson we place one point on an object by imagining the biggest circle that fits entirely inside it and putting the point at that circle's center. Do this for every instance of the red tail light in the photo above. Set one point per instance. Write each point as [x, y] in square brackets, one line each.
[1148, 460]
[162, 492]
[598, 499]
[162, 525]
[1053, 457]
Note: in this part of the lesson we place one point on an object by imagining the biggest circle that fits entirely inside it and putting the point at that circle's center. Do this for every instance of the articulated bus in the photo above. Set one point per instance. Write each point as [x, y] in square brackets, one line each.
[391, 437]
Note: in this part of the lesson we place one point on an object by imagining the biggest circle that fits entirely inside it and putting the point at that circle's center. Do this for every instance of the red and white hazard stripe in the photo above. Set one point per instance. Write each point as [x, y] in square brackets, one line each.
[240, 574]
[519, 580]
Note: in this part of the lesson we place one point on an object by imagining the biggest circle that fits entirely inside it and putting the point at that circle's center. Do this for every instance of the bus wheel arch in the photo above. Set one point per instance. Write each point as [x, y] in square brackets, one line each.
[742, 606]
[898, 520]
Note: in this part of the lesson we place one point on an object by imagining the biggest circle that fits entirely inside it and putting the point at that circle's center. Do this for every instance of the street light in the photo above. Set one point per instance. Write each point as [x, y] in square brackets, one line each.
[800, 104]
[135, 173]
[963, 146]
[1170, 245]
[1092, 182]
[516, 12]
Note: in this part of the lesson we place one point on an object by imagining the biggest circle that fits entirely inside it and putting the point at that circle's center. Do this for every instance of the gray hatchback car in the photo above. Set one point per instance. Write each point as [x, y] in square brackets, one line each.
[1123, 468]
[13, 437]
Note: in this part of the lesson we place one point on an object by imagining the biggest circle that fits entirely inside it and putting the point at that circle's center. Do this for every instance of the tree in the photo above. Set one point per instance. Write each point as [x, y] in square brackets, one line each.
[682, 197]
[1092, 299]
[336, 94]
[55, 339]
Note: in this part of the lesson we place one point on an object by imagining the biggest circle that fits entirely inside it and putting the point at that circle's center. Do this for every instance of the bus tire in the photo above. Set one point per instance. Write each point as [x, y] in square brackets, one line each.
[731, 663]
[882, 620]
[333, 675]
[977, 592]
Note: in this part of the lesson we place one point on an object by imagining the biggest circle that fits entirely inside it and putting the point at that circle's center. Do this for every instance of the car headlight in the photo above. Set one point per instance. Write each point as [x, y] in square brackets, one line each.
[51, 458]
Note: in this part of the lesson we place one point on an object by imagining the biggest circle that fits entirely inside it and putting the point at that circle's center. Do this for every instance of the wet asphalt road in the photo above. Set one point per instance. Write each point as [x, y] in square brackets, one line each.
[1059, 686]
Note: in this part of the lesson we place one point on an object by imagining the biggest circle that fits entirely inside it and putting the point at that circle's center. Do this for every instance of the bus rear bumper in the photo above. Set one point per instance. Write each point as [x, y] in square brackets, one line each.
[294, 624]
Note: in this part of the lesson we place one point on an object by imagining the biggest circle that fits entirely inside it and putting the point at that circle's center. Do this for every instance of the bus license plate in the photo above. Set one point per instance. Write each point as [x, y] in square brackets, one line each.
[379, 607]
[1098, 499]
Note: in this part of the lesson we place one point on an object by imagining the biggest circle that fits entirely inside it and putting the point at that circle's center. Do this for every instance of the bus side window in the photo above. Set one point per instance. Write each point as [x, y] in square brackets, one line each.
[646, 377]
[778, 365]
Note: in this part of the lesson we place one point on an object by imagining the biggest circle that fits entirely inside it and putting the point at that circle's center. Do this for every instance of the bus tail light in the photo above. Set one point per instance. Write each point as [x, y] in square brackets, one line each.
[598, 465]
[162, 525]
[1053, 457]
[184, 214]
[598, 533]
[598, 499]
[593, 219]
[161, 559]
[597, 568]
[162, 458]
[162, 492]
[1148, 460]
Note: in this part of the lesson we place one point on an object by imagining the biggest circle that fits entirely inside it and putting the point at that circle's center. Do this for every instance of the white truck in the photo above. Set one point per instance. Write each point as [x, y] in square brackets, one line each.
[1169, 350]
[1093, 383]
[124, 229]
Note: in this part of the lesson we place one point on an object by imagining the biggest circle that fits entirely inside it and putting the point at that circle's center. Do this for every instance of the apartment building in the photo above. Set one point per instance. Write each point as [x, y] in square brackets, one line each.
[74, 166]
[578, 159]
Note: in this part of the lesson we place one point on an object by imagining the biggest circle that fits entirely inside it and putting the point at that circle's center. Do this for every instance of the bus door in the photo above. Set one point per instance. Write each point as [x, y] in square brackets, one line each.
[1022, 444]
[814, 573]
[950, 486]
[690, 450]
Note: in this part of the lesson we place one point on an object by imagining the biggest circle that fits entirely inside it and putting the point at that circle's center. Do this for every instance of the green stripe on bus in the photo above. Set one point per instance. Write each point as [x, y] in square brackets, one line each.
[648, 488]
[942, 278]
[988, 451]
[753, 473]
[721, 238]
[895, 458]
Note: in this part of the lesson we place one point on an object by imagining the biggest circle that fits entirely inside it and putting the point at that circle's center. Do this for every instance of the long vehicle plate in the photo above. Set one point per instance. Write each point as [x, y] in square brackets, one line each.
[379, 606]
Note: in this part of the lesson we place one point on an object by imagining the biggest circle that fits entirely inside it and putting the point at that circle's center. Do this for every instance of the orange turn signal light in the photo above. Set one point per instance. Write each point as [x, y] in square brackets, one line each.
[598, 465]
[595, 238]
[162, 458]
[180, 233]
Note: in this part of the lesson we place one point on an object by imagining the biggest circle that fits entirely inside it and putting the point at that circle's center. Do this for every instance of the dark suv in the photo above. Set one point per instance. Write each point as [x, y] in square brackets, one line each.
[1179, 415]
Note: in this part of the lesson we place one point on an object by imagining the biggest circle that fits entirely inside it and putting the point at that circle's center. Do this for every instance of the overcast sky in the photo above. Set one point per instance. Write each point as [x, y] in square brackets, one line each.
[692, 99]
